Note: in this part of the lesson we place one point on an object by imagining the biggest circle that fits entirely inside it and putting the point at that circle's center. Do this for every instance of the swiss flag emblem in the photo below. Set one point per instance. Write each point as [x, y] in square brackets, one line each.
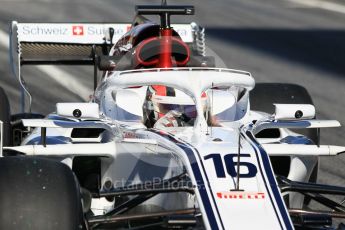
[78, 30]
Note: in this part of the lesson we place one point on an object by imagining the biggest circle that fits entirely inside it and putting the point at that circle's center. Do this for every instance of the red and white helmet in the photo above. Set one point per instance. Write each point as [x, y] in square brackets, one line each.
[162, 100]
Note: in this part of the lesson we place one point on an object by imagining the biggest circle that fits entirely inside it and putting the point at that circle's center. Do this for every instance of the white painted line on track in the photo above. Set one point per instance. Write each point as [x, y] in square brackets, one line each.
[63, 78]
[325, 5]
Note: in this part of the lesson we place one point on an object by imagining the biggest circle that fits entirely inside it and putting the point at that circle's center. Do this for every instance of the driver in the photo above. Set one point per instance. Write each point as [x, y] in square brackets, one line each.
[167, 107]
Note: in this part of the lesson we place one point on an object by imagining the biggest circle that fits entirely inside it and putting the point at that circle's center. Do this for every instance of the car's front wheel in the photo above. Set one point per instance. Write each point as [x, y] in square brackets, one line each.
[38, 194]
[5, 117]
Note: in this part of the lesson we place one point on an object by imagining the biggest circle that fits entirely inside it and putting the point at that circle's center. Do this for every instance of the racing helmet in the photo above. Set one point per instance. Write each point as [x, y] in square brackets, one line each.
[161, 100]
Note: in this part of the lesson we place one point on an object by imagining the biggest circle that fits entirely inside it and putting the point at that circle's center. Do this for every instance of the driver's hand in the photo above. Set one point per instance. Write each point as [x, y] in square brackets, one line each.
[171, 119]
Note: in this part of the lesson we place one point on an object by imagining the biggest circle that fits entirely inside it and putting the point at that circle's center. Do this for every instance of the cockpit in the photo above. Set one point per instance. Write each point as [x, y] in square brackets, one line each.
[142, 105]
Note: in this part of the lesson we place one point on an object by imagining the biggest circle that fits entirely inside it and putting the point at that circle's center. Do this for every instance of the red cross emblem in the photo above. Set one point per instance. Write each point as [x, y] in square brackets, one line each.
[78, 30]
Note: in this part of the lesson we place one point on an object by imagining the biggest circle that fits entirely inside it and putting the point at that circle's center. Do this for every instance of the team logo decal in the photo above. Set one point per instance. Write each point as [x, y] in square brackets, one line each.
[78, 30]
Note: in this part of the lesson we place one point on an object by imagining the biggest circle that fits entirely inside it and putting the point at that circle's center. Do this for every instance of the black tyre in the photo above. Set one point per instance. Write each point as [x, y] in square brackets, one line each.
[5, 117]
[38, 194]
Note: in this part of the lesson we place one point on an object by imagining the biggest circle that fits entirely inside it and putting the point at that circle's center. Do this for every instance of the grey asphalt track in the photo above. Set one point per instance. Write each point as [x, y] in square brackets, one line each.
[277, 41]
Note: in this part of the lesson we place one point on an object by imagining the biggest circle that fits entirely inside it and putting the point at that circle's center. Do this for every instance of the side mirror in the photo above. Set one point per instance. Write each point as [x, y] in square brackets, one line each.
[294, 111]
[78, 110]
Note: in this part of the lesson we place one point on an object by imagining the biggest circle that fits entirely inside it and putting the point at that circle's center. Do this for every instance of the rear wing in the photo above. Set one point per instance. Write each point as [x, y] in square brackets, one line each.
[68, 44]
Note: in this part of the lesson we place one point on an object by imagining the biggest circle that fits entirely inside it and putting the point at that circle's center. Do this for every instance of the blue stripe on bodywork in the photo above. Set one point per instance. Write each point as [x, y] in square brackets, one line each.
[266, 186]
[271, 180]
[208, 182]
[197, 173]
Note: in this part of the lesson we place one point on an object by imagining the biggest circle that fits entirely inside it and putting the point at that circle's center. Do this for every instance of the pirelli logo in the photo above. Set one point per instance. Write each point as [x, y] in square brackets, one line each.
[241, 195]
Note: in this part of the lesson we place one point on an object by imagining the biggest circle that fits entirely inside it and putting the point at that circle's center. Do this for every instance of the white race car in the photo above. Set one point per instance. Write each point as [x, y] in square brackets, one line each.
[169, 140]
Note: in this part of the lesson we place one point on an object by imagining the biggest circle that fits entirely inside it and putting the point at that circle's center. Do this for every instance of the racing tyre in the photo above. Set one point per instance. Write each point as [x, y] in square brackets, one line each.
[38, 194]
[5, 117]
[262, 98]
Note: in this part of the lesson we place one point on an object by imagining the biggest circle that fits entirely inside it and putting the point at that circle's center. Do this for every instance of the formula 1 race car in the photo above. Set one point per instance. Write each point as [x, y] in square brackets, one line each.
[169, 139]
